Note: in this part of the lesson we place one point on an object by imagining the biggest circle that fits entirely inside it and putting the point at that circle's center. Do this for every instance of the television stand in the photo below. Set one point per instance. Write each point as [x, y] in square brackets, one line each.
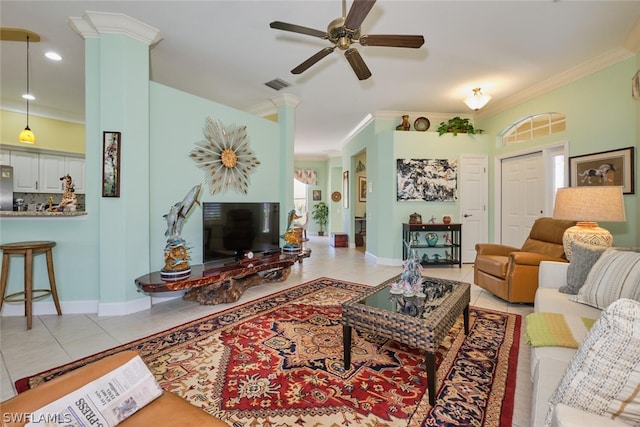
[225, 283]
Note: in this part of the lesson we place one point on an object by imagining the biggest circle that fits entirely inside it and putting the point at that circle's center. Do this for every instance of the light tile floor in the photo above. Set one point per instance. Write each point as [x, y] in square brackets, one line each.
[56, 340]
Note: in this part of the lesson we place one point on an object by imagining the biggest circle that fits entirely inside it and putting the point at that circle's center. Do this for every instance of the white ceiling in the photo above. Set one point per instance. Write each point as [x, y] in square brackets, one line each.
[225, 51]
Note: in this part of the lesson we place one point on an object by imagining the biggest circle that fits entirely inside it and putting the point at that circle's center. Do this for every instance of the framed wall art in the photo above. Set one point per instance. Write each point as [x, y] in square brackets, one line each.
[345, 189]
[111, 147]
[613, 167]
[317, 195]
[430, 180]
[362, 189]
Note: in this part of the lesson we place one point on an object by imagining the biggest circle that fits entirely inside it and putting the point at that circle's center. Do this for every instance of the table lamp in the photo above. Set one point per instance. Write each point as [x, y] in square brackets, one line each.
[588, 205]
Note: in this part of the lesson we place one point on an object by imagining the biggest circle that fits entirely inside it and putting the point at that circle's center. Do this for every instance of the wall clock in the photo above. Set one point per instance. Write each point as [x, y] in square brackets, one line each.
[336, 196]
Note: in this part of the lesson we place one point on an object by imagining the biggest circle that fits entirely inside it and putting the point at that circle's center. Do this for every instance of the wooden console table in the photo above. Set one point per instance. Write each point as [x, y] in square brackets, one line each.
[227, 283]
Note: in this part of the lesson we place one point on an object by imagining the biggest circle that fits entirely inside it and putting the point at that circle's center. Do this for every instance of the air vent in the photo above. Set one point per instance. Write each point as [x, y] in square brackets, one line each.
[277, 84]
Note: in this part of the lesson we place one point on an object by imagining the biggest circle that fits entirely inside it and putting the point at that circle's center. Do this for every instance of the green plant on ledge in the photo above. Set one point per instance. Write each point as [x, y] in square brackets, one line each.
[457, 125]
[320, 215]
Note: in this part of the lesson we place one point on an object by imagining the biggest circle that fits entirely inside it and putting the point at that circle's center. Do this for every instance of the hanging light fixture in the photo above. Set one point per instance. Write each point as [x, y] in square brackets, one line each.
[477, 100]
[27, 135]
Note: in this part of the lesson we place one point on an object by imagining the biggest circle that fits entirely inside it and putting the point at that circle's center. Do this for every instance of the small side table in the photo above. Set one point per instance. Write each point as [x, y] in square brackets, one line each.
[28, 250]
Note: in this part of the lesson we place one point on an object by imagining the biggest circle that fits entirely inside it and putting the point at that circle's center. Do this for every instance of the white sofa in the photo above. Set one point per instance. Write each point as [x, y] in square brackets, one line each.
[548, 364]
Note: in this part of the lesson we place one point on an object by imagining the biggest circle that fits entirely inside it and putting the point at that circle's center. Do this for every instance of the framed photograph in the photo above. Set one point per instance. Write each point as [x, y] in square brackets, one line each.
[317, 195]
[613, 167]
[345, 189]
[362, 189]
[111, 147]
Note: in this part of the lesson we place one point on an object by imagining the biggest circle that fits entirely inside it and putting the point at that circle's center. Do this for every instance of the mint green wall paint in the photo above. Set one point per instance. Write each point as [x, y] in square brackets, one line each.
[286, 119]
[124, 106]
[358, 144]
[335, 184]
[177, 121]
[601, 116]
[323, 185]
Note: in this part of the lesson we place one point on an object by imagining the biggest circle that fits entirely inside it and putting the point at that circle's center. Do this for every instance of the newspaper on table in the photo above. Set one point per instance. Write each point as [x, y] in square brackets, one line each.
[106, 401]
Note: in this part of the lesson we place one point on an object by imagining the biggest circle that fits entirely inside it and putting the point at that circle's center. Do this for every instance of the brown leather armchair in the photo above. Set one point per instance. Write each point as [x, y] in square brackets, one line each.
[167, 410]
[511, 273]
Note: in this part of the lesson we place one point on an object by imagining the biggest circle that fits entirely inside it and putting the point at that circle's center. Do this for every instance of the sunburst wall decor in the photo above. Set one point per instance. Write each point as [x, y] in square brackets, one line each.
[225, 157]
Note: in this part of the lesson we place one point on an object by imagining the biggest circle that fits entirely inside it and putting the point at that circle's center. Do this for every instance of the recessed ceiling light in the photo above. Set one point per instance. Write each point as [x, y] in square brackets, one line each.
[53, 56]
[28, 96]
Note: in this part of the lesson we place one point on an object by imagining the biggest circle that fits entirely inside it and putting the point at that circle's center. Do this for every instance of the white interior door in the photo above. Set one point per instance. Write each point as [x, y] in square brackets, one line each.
[473, 203]
[523, 189]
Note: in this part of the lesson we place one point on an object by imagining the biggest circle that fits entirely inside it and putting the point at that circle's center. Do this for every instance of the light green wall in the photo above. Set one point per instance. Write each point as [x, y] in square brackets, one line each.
[156, 174]
[601, 116]
[178, 120]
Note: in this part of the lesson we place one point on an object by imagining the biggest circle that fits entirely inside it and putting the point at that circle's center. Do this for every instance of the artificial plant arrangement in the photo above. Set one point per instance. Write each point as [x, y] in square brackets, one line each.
[457, 125]
[320, 215]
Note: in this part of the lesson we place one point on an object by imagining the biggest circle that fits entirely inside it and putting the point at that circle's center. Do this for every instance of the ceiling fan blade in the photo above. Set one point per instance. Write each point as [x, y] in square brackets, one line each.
[392, 40]
[315, 58]
[279, 25]
[359, 10]
[357, 63]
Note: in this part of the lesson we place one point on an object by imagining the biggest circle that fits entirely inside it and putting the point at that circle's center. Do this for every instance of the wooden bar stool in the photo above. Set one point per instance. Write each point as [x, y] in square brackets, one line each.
[28, 249]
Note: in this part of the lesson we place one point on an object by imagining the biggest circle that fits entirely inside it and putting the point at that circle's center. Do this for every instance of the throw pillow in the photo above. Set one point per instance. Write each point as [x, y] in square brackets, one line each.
[616, 274]
[603, 375]
[583, 256]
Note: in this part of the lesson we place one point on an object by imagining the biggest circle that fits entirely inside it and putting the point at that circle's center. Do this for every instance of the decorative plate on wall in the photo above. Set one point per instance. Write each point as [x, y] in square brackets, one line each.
[336, 196]
[421, 124]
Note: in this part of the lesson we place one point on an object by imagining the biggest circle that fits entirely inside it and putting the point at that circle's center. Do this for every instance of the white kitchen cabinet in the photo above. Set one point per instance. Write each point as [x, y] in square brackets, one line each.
[25, 171]
[50, 169]
[5, 157]
[75, 166]
[41, 173]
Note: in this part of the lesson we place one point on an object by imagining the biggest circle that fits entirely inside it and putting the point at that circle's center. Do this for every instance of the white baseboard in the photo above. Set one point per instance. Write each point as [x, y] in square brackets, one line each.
[41, 308]
[386, 261]
[123, 308]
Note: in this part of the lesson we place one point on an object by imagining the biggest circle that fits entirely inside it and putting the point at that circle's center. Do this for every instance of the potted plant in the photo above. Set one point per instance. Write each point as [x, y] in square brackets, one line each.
[457, 125]
[320, 215]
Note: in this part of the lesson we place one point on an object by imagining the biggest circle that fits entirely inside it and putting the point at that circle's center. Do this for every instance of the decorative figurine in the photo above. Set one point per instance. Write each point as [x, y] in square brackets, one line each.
[447, 239]
[292, 237]
[432, 220]
[69, 200]
[410, 282]
[176, 253]
[405, 125]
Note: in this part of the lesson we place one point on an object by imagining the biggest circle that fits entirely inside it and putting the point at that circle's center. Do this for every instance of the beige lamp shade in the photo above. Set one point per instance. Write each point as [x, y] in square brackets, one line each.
[587, 205]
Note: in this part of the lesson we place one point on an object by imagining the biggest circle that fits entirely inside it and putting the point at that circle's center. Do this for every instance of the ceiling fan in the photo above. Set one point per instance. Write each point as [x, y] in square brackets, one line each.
[344, 31]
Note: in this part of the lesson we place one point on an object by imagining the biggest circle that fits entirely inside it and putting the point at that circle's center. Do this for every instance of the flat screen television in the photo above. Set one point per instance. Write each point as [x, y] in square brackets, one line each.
[230, 230]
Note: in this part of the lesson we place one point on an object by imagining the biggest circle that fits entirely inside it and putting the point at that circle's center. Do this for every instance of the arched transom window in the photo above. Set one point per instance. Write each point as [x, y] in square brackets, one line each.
[534, 126]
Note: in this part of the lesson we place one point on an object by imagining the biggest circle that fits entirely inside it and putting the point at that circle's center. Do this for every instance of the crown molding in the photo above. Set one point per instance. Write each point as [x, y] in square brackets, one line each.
[286, 99]
[559, 80]
[92, 24]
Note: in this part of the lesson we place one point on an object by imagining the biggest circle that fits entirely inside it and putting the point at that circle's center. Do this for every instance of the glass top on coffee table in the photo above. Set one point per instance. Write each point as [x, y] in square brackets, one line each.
[420, 322]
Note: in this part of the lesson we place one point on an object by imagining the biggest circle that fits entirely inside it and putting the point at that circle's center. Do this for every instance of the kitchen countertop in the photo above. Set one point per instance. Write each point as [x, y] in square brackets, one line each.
[34, 214]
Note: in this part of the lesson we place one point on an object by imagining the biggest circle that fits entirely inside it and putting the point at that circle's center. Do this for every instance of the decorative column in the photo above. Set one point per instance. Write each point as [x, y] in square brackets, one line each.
[117, 100]
[286, 105]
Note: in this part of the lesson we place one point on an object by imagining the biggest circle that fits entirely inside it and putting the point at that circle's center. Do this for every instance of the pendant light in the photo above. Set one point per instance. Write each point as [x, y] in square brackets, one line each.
[27, 136]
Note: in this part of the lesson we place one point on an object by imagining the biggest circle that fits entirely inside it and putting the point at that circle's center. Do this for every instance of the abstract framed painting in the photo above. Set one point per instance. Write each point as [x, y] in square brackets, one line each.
[429, 180]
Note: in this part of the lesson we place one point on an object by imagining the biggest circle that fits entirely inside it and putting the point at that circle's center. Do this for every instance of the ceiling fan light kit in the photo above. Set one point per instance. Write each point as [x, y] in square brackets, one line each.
[343, 32]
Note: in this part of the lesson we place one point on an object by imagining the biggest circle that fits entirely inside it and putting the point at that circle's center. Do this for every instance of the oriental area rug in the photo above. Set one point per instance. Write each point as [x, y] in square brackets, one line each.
[278, 361]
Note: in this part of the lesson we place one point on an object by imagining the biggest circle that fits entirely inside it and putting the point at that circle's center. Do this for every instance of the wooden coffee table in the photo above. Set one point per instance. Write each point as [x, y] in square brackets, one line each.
[419, 324]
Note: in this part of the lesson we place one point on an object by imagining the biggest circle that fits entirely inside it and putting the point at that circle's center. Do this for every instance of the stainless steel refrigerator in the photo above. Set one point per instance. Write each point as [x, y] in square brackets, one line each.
[6, 188]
